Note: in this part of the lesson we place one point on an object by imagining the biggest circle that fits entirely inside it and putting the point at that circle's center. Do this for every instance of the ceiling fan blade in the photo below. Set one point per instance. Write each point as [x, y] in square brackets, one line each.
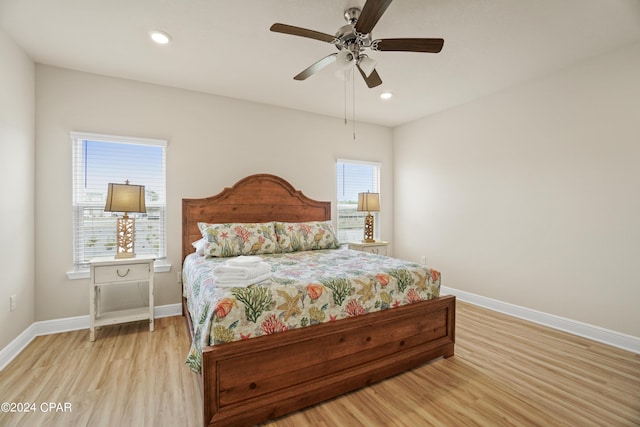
[408, 45]
[371, 13]
[302, 32]
[314, 68]
[373, 80]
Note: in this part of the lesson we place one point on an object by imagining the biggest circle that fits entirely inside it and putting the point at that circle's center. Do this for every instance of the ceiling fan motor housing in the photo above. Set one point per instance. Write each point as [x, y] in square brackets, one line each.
[347, 35]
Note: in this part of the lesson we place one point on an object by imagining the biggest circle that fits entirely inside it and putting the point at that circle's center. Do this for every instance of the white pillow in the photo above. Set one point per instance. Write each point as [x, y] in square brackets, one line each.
[199, 245]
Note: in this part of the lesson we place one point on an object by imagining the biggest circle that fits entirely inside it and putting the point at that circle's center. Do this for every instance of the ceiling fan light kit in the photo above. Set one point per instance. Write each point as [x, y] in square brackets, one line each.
[353, 39]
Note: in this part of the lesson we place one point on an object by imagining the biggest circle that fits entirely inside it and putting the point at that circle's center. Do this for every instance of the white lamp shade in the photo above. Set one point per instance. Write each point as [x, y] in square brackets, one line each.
[344, 59]
[125, 198]
[367, 65]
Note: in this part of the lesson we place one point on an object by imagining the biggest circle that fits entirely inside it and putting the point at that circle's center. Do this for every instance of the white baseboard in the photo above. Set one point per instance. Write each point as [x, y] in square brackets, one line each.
[47, 327]
[616, 339]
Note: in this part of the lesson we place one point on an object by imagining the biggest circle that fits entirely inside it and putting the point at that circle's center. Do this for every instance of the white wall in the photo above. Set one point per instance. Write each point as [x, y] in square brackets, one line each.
[532, 196]
[213, 142]
[528, 196]
[16, 189]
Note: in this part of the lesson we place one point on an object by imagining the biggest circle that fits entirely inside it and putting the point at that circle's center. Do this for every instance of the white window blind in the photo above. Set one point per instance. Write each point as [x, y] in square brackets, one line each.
[99, 160]
[355, 177]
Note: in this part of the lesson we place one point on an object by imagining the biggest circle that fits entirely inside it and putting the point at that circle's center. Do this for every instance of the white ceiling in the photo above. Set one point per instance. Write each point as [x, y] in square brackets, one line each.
[226, 48]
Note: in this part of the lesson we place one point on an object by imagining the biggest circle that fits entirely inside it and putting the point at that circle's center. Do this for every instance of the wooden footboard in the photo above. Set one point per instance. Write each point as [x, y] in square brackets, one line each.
[251, 381]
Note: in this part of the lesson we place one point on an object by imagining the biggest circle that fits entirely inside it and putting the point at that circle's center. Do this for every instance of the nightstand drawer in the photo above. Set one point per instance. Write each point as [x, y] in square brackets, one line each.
[122, 273]
[378, 250]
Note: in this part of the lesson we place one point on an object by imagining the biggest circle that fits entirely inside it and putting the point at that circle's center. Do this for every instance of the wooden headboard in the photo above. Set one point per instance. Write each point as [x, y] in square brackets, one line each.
[256, 198]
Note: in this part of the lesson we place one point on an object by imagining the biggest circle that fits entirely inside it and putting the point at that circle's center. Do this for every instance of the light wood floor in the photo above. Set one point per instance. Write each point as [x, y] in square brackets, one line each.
[505, 372]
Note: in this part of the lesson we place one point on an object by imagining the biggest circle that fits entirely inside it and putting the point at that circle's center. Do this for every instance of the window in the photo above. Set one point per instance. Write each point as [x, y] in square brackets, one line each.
[99, 160]
[355, 177]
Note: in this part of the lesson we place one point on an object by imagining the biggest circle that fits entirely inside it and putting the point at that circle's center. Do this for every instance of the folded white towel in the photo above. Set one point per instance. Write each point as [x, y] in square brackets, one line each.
[225, 271]
[244, 261]
[241, 283]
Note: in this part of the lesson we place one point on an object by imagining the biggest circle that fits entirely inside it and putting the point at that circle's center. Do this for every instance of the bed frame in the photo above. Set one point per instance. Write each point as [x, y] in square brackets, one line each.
[251, 381]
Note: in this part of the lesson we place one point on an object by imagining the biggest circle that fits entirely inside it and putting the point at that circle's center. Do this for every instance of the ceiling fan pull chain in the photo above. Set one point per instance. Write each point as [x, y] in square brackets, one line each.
[353, 105]
[345, 97]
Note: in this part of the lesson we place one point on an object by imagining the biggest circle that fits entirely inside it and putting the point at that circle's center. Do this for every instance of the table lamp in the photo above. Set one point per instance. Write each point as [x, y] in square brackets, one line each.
[368, 202]
[125, 198]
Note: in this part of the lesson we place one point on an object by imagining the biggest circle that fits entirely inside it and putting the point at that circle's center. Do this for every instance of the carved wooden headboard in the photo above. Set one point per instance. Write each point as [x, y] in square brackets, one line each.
[256, 198]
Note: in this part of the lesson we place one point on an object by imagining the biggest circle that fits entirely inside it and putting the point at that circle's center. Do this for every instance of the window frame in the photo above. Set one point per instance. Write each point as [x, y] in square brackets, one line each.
[360, 215]
[80, 267]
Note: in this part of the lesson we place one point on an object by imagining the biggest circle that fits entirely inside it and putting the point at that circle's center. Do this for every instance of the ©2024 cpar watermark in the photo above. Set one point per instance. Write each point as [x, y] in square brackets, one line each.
[21, 407]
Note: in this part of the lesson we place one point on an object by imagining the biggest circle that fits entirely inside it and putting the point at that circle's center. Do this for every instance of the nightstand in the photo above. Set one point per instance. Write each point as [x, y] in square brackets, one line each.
[106, 271]
[378, 247]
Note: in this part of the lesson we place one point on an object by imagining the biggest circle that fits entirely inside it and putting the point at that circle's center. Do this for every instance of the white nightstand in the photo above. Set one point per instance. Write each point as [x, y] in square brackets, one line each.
[378, 247]
[107, 271]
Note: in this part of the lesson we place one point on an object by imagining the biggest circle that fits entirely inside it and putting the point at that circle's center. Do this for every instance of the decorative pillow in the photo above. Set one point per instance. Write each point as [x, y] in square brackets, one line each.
[226, 240]
[306, 236]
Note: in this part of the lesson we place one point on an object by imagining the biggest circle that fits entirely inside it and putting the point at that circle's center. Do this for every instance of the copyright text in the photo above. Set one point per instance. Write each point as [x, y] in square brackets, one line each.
[21, 407]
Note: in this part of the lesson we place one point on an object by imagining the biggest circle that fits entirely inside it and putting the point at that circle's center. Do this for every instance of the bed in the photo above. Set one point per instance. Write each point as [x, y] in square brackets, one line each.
[248, 381]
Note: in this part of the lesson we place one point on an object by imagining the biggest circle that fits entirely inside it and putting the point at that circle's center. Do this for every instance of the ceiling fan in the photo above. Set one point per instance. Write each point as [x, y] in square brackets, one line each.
[353, 39]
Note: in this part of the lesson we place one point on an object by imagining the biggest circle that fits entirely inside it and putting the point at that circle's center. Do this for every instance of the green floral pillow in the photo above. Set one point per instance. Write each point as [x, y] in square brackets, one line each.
[226, 240]
[306, 236]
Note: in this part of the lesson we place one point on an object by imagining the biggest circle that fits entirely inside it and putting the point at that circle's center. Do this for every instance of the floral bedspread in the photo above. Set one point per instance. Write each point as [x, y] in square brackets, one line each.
[306, 288]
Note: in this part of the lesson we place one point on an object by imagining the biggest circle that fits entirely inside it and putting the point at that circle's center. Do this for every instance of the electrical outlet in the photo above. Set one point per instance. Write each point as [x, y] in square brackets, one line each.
[12, 301]
[179, 276]
[423, 260]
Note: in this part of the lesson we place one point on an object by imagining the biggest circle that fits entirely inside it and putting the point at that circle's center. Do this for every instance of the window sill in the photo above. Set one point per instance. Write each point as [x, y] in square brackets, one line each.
[158, 267]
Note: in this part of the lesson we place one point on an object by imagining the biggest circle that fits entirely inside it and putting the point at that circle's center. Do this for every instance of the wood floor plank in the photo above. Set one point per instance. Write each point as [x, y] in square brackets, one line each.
[506, 372]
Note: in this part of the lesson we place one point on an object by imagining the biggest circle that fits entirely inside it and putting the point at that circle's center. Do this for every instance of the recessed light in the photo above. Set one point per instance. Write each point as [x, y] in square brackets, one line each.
[386, 95]
[160, 37]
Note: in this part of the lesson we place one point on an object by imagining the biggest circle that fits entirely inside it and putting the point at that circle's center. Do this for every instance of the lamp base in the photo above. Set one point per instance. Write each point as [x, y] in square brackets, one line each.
[125, 230]
[121, 255]
[368, 229]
